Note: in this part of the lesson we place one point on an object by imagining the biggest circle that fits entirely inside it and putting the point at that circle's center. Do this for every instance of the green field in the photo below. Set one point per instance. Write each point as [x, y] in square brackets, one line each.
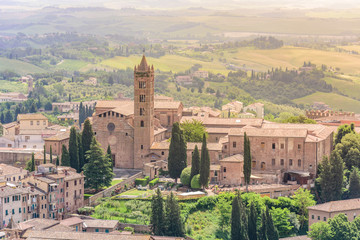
[7, 86]
[349, 87]
[71, 65]
[335, 101]
[19, 66]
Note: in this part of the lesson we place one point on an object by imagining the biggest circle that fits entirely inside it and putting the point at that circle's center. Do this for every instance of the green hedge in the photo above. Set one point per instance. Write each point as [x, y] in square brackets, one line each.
[153, 182]
[147, 179]
[141, 181]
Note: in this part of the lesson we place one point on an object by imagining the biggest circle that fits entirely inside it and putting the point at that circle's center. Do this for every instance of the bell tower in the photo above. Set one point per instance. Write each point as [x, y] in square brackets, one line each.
[143, 111]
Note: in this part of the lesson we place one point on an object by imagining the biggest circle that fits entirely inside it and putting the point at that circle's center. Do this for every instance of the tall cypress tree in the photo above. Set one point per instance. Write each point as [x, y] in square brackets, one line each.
[354, 185]
[235, 220]
[57, 161]
[51, 157]
[44, 154]
[81, 152]
[173, 221]
[97, 171]
[65, 158]
[204, 164]
[177, 152]
[157, 214]
[73, 149]
[247, 161]
[252, 232]
[195, 163]
[325, 178]
[109, 154]
[262, 230]
[2, 118]
[271, 231]
[337, 169]
[30, 165]
[86, 138]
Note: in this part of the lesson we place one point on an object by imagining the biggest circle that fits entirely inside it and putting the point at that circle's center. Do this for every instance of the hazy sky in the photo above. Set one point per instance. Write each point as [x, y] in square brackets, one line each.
[29, 4]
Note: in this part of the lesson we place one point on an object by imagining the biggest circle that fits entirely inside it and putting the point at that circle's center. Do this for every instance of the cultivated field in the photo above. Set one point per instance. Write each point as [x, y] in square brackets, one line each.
[19, 66]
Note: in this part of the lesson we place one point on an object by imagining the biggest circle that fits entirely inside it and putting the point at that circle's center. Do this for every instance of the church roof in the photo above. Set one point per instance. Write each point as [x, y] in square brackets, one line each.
[143, 64]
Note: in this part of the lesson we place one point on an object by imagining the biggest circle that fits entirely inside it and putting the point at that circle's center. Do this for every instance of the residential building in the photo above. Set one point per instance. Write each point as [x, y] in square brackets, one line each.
[56, 142]
[11, 174]
[10, 207]
[323, 212]
[200, 74]
[98, 225]
[184, 80]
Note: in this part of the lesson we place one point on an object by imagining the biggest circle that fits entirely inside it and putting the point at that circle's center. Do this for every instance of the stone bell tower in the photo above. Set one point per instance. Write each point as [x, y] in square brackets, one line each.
[143, 111]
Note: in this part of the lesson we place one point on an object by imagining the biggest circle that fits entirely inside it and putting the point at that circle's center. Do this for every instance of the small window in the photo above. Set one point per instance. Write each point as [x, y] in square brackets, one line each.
[273, 162]
[325, 219]
[126, 134]
[224, 169]
[262, 145]
[117, 114]
[67, 184]
[142, 98]
[318, 217]
[142, 84]
[282, 146]
[142, 146]
[282, 162]
[312, 216]
[290, 162]
[106, 230]
[37, 122]
[225, 146]
[44, 122]
[96, 230]
[299, 146]
[31, 123]
[299, 162]
[234, 144]
[142, 124]
[273, 146]
[75, 182]
[142, 111]
[162, 153]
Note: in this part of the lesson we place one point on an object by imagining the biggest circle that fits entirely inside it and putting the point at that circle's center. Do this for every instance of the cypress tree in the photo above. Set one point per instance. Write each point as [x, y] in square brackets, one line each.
[81, 114]
[204, 164]
[173, 222]
[57, 161]
[247, 161]
[157, 214]
[8, 117]
[65, 158]
[81, 152]
[2, 118]
[354, 185]
[86, 138]
[195, 163]
[109, 154]
[44, 154]
[271, 231]
[51, 157]
[32, 162]
[235, 220]
[325, 178]
[337, 169]
[177, 152]
[97, 170]
[73, 149]
[262, 231]
[252, 232]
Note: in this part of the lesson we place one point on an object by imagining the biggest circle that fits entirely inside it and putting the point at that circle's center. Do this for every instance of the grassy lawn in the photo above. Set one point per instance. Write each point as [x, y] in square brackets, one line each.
[135, 192]
[71, 65]
[349, 87]
[12, 86]
[334, 100]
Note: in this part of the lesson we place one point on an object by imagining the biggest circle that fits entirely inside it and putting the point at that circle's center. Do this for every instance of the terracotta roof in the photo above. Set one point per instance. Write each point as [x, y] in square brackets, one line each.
[218, 130]
[71, 221]
[46, 180]
[59, 137]
[39, 235]
[226, 122]
[127, 107]
[38, 224]
[9, 170]
[254, 132]
[166, 105]
[73, 176]
[9, 191]
[190, 146]
[338, 206]
[9, 125]
[31, 116]
[60, 228]
[97, 223]
[233, 158]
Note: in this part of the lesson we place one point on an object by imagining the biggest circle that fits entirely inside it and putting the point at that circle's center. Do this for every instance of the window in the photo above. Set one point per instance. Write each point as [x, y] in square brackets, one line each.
[126, 134]
[312, 216]
[31, 123]
[142, 111]
[162, 153]
[225, 146]
[96, 230]
[253, 164]
[273, 162]
[142, 84]
[80, 181]
[234, 144]
[106, 230]
[38, 123]
[19, 210]
[142, 146]
[282, 162]
[44, 122]
[6, 212]
[299, 163]
[169, 119]
[299, 146]
[75, 182]
[117, 114]
[318, 217]
[27, 138]
[273, 146]
[290, 162]
[142, 124]
[13, 211]
[282, 146]
[325, 219]
[67, 194]
[142, 98]
[67, 184]
[224, 169]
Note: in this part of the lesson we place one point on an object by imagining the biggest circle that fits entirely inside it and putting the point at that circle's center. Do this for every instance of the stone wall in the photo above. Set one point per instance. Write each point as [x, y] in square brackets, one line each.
[107, 192]
[137, 228]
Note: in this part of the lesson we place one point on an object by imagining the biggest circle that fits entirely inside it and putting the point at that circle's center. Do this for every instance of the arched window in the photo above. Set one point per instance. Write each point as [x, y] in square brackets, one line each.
[142, 124]
[299, 163]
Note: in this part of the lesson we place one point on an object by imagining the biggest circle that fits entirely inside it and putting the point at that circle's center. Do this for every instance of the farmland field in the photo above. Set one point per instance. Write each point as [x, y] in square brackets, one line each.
[349, 87]
[19, 66]
[336, 102]
[71, 65]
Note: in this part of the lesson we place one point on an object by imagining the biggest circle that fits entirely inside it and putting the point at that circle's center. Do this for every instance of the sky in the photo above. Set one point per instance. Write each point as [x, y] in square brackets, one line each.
[158, 4]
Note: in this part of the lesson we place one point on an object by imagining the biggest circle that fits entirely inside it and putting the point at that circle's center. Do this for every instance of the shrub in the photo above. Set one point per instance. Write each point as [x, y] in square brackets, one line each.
[206, 203]
[141, 181]
[129, 229]
[195, 182]
[162, 172]
[153, 182]
[185, 176]
[147, 179]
